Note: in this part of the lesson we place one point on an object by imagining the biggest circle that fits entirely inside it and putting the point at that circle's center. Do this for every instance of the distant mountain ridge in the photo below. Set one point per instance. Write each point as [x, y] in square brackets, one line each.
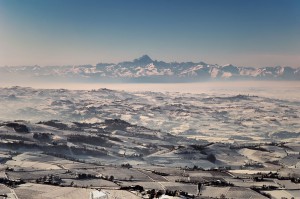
[144, 69]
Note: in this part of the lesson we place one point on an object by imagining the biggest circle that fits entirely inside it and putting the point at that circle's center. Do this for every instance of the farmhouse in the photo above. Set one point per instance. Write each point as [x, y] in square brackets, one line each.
[98, 195]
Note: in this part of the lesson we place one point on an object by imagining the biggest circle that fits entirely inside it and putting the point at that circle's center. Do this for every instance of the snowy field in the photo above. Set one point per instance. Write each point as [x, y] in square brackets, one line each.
[275, 89]
[162, 138]
[225, 112]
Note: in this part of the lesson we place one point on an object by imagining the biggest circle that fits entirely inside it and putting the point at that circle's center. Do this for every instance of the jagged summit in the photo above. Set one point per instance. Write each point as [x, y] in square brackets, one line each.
[143, 59]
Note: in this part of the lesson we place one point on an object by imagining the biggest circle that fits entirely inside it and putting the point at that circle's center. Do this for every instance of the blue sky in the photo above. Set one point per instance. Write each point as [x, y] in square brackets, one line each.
[62, 32]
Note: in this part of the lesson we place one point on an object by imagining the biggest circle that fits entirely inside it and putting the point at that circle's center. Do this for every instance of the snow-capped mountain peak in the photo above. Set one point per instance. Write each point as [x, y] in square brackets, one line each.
[145, 59]
[145, 69]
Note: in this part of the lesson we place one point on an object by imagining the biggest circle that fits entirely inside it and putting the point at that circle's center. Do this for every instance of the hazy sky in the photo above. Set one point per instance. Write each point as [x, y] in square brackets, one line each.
[61, 32]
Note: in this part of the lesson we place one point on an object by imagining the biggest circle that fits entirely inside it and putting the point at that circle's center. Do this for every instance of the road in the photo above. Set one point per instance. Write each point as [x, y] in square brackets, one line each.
[145, 173]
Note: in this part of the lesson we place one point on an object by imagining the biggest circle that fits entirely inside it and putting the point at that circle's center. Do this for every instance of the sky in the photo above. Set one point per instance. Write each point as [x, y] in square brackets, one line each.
[73, 32]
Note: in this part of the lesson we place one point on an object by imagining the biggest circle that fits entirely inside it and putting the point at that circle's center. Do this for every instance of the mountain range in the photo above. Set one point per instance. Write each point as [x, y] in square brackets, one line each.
[144, 69]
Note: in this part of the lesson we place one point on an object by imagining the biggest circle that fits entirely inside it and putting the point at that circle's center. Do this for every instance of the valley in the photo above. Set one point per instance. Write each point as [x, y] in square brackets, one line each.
[145, 144]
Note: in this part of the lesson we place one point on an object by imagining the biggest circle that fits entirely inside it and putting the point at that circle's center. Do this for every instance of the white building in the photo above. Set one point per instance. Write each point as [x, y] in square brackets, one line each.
[98, 195]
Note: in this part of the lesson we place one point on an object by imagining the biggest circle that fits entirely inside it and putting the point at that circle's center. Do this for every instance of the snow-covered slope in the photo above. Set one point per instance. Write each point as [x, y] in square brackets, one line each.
[145, 69]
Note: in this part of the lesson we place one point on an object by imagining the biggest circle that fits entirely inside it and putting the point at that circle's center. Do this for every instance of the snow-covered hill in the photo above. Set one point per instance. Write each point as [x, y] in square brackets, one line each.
[145, 69]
